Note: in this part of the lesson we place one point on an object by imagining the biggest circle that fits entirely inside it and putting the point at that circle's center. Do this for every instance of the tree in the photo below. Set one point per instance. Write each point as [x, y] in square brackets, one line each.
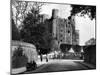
[18, 57]
[65, 47]
[84, 9]
[31, 31]
[18, 10]
[76, 48]
[15, 32]
[36, 32]
[92, 41]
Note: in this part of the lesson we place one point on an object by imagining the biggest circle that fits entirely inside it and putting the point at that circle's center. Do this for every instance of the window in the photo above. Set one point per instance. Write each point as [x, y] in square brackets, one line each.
[68, 22]
[68, 31]
[61, 40]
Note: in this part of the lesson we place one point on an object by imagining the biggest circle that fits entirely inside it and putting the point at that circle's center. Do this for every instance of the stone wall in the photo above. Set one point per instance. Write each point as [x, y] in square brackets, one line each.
[90, 54]
[29, 50]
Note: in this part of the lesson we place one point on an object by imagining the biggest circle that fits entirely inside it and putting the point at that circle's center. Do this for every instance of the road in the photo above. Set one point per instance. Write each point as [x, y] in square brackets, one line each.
[60, 65]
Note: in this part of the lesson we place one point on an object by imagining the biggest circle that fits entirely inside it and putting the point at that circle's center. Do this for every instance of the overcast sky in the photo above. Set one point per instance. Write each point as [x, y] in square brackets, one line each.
[85, 26]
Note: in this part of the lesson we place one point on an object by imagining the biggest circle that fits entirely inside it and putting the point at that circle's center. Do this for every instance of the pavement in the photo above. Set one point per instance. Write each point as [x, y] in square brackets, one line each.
[18, 70]
[57, 65]
[39, 63]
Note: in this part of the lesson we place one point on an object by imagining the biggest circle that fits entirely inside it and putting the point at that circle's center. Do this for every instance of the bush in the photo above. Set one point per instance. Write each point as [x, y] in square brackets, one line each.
[31, 66]
[18, 59]
[65, 47]
[15, 32]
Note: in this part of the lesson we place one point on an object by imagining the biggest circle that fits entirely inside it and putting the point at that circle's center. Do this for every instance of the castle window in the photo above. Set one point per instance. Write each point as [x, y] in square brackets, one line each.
[68, 22]
[68, 31]
[61, 40]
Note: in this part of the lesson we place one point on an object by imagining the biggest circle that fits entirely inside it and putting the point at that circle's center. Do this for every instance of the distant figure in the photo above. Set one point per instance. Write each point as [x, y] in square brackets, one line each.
[41, 57]
[46, 58]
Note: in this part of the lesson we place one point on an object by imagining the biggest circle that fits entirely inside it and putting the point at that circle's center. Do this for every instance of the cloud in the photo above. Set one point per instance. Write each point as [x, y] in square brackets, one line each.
[64, 10]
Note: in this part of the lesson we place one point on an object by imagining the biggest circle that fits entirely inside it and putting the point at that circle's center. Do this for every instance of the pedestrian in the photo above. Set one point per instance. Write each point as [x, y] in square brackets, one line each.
[46, 58]
[41, 57]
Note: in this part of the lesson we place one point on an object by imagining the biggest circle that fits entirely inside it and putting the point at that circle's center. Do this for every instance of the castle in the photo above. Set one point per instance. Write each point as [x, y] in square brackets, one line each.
[63, 30]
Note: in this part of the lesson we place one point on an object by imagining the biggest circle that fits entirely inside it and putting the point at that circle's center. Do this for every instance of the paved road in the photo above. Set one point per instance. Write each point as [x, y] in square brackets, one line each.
[60, 65]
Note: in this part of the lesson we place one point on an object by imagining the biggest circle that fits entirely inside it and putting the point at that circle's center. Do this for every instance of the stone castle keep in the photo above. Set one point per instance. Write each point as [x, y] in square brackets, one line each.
[63, 30]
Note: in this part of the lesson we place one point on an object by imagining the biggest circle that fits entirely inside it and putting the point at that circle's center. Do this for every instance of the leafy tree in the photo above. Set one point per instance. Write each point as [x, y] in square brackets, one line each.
[92, 41]
[76, 48]
[84, 9]
[18, 10]
[21, 8]
[65, 47]
[18, 57]
[15, 32]
[36, 32]
[31, 32]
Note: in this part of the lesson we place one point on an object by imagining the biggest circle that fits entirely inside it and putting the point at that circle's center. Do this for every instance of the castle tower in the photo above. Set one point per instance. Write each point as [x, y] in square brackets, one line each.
[55, 13]
[54, 28]
[54, 22]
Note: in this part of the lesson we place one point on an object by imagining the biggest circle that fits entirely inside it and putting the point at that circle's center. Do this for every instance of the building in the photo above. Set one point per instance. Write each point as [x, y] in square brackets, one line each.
[92, 41]
[63, 30]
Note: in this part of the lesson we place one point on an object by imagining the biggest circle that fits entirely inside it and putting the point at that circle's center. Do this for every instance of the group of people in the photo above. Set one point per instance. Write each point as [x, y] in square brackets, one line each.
[41, 58]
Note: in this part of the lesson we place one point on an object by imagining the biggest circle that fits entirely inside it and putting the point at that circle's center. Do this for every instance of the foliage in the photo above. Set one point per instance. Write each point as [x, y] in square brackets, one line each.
[18, 51]
[31, 66]
[84, 9]
[18, 57]
[76, 48]
[36, 32]
[92, 41]
[19, 9]
[15, 32]
[65, 47]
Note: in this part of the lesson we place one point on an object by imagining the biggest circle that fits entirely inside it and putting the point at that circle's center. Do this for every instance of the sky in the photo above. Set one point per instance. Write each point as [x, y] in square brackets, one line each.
[64, 10]
[85, 25]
